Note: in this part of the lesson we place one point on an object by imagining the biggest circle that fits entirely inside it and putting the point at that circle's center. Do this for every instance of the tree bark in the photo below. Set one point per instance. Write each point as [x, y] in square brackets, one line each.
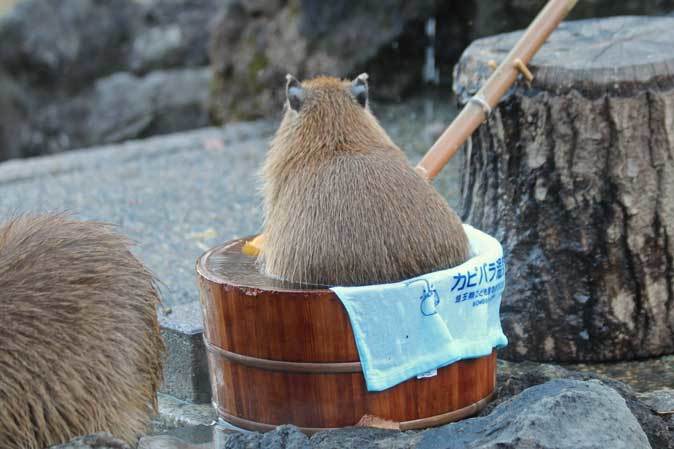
[575, 176]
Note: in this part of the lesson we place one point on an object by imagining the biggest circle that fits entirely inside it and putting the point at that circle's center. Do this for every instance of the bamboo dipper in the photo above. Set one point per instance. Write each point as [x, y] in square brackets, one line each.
[480, 105]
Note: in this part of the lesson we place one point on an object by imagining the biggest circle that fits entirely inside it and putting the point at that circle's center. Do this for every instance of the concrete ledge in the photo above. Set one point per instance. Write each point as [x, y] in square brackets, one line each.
[186, 369]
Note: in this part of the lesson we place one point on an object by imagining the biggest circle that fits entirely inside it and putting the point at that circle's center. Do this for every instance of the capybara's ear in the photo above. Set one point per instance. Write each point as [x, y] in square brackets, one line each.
[359, 89]
[294, 92]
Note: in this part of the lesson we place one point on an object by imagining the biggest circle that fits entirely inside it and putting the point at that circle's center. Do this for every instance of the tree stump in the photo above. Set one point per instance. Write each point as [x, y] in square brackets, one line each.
[575, 176]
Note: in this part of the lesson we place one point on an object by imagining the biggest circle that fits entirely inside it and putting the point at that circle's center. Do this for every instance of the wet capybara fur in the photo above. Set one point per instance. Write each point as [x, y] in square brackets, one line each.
[80, 349]
[343, 205]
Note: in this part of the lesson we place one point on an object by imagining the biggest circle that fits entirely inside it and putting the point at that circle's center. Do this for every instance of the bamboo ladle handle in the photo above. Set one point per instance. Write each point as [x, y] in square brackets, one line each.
[478, 108]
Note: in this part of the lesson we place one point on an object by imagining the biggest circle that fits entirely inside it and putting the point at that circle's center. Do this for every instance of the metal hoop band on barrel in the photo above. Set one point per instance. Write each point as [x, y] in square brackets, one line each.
[288, 367]
[422, 423]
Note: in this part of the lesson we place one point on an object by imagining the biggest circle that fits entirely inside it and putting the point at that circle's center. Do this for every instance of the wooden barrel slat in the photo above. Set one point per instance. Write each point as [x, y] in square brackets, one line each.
[274, 347]
[314, 320]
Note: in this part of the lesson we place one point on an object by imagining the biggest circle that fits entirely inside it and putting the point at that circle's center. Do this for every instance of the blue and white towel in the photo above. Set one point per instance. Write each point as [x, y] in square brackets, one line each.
[411, 328]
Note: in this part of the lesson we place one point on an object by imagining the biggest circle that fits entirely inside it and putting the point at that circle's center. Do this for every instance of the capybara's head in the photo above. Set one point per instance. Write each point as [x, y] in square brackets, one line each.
[325, 95]
[80, 348]
[327, 114]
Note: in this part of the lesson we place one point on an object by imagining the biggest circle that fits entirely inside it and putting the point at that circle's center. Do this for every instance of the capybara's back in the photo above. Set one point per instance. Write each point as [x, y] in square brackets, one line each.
[80, 349]
[343, 205]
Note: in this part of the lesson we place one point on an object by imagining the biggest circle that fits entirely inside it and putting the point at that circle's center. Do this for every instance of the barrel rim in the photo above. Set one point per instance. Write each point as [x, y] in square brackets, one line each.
[207, 274]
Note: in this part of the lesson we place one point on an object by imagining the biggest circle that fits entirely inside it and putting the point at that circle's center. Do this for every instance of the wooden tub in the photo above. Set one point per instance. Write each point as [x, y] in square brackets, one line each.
[279, 354]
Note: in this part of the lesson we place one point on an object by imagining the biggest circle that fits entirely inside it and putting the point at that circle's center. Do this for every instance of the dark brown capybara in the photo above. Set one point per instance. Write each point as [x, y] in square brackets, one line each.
[80, 349]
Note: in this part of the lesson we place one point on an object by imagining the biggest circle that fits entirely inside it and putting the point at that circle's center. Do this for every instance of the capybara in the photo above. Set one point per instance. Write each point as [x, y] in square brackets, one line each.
[343, 205]
[80, 348]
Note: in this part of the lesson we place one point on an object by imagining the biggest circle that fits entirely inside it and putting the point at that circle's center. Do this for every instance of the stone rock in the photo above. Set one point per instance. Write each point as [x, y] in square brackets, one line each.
[252, 48]
[95, 72]
[94, 441]
[155, 47]
[65, 43]
[660, 401]
[124, 106]
[657, 429]
[171, 34]
[169, 442]
[14, 109]
[513, 378]
[283, 437]
[365, 438]
[558, 414]
[78, 41]
[264, 7]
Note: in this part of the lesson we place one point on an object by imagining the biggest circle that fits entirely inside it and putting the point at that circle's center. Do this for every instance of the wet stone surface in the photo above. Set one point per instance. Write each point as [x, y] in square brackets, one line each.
[642, 375]
[174, 413]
